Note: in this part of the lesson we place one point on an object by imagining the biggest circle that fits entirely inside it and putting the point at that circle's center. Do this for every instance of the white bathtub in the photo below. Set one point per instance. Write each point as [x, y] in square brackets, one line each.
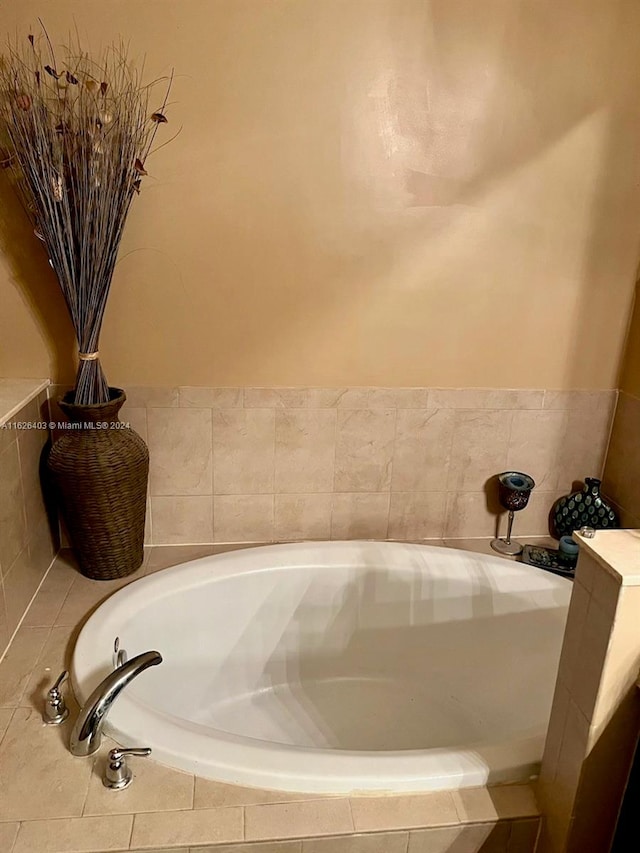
[337, 667]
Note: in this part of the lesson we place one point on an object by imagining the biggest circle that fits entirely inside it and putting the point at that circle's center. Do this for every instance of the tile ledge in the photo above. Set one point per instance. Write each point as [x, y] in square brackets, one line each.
[16, 393]
[617, 551]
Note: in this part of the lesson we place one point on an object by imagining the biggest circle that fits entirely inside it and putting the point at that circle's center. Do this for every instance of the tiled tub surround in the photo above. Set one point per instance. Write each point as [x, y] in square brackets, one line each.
[51, 802]
[26, 542]
[595, 718]
[622, 470]
[274, 464]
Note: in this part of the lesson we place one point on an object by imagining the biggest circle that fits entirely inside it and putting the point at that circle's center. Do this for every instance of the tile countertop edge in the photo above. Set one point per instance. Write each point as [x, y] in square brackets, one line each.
[16, 393]
[617, 551]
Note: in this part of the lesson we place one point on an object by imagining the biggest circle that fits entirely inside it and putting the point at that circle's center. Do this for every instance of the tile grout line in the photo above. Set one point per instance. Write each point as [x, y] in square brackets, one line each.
[393, 456]
[130, 842]
[15, 840]
[22, 618]
[86, 793]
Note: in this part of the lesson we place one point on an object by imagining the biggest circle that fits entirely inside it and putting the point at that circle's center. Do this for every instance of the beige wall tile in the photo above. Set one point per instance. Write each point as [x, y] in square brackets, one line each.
[13, 531]
[42, 547]
[468, 515]
[422, 450]
[211, 398]
[203, 826]
[136, 417]
[180, 447]
[536, 445]
[31, 441]
[210, 794]
[477, 805]
[479, 448]
[573, 752]
[586, 673]
[403, 812]
[376, 842]
[485, 398]
[302, 517]
[572, 642]
[20, 585]
[417, 515]
[80, 835]
[364, 450]
[8, 435]
[583, 447]
[51, 595]
[243, 518]
[151, 396]
[186, 519]
[298, 819]
[622, 661]
[360, 516]
[606, 589]
[38, 780]
[338, 398]
[555, 732]
[279, 398]
[8, 833]
[18, 663]
[482, 838]
[155, 788]
[243, 451]
[581, 401]
[34, 506]
[398, 398]
[305, 443]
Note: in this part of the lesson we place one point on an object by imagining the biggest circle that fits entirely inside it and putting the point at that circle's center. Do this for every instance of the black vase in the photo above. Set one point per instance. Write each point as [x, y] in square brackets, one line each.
[99, 469]
[584, 508]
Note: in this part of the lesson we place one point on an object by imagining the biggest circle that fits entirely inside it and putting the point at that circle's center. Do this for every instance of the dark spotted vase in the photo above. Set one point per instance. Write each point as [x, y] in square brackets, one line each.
[584, 508]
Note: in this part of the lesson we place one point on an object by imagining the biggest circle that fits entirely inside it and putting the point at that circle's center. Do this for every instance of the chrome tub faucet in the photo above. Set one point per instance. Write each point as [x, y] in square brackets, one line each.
[87, 731]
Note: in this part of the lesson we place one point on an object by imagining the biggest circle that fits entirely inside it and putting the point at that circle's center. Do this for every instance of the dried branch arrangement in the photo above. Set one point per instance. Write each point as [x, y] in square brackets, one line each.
[76, 134]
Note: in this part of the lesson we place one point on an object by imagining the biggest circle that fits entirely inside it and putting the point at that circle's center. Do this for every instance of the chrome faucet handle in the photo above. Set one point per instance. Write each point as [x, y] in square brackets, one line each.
[55, 709]
[119, 655]
[117, 773]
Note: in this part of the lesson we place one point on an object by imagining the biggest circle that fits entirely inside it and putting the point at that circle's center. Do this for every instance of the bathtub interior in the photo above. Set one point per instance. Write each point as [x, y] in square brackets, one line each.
[440, 650]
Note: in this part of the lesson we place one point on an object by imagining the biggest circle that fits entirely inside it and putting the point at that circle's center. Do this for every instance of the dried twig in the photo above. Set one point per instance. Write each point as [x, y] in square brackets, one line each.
[76, 135]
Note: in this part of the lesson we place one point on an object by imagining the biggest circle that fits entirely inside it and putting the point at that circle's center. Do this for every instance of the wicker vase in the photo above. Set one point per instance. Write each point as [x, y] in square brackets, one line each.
[100, 469]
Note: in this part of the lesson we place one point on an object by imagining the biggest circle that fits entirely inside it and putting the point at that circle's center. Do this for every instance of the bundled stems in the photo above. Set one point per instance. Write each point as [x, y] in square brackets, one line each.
[76, 135]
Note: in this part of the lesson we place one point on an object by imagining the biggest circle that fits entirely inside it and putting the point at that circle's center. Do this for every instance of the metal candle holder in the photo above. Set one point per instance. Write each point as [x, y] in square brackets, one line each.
[514, 489]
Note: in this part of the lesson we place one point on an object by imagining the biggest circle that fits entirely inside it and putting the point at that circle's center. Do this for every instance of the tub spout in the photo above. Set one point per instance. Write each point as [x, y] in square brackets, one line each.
[87, 731]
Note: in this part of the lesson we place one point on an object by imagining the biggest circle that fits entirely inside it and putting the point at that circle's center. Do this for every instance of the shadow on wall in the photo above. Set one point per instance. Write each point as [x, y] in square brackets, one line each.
[403, 190]
[35, 281]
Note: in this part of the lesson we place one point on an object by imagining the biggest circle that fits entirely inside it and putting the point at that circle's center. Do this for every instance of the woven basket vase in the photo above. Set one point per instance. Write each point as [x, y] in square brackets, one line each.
[100, 474]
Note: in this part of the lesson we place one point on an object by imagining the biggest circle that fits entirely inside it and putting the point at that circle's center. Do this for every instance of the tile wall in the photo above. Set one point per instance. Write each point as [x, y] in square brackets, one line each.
[270, 464]
[27, 546]
[622, 471]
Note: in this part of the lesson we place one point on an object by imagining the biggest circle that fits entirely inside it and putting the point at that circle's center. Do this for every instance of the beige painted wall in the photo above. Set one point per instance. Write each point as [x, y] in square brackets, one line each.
[363, 192]
[630, 373]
